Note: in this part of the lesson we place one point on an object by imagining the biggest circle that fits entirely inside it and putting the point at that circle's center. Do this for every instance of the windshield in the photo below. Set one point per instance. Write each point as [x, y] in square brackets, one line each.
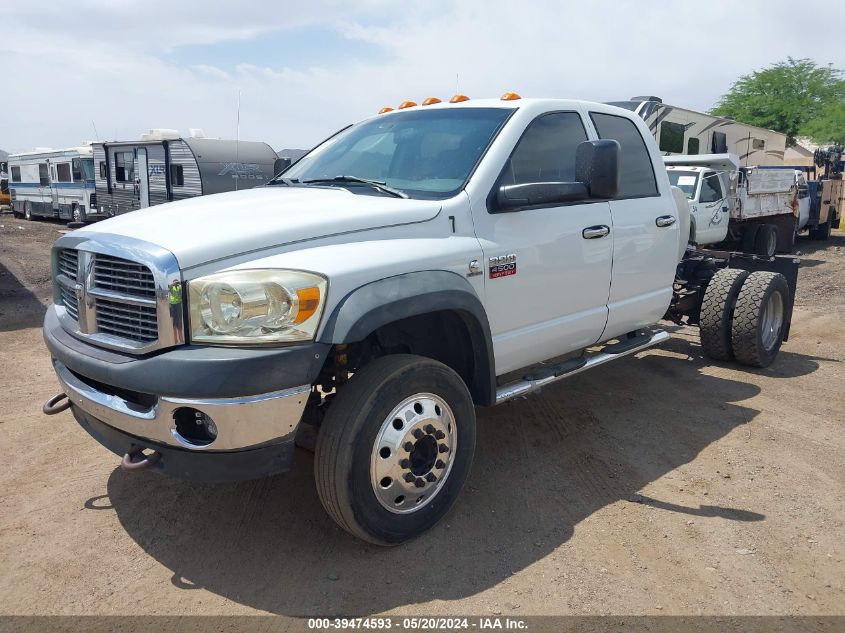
[686, 181]
[426, 154]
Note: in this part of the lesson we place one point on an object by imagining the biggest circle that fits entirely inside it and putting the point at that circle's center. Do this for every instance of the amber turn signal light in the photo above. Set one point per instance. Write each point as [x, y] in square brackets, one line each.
[309, 301]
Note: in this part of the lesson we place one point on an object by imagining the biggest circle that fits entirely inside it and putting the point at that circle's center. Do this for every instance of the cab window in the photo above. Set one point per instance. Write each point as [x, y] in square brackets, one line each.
[711, 188]
[546, 151]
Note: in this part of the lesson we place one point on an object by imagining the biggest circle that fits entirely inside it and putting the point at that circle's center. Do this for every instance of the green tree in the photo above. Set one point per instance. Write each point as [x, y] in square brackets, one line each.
[784, 97]
[829, 128]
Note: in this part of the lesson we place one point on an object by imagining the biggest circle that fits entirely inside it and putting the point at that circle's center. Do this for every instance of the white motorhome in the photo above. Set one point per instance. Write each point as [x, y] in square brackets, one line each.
[53, 183]
[763, 208]
[681, 131]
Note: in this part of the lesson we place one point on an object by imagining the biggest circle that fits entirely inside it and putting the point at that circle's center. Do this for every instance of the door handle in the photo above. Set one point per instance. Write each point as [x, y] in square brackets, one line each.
[593, 232]
[665, 220]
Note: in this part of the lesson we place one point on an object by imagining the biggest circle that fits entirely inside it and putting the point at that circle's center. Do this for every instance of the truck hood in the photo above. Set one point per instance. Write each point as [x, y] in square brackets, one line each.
[213, 227]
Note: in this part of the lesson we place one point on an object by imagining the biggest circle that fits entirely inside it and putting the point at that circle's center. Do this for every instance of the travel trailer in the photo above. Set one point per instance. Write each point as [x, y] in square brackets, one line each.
[163, 166]
[53, 183]
[681, 131]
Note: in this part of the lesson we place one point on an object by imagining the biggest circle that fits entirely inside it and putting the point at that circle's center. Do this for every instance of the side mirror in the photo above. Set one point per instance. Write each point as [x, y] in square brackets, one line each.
[596, 176]
[597, 167]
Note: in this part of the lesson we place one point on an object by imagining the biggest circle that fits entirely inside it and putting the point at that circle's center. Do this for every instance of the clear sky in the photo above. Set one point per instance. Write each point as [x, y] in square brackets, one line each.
[305, 69]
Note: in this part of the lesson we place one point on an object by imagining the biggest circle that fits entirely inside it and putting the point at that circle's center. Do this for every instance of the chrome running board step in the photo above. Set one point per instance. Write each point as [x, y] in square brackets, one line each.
[546, 376]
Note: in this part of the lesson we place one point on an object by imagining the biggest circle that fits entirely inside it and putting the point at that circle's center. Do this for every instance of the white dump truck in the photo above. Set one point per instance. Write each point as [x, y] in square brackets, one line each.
[760, 208]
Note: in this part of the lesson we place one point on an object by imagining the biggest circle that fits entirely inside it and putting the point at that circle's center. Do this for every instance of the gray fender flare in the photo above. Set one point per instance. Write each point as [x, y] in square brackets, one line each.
[388, 300]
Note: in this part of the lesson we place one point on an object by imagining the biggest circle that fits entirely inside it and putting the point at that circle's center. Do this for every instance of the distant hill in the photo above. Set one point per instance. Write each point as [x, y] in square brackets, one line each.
[293, 154]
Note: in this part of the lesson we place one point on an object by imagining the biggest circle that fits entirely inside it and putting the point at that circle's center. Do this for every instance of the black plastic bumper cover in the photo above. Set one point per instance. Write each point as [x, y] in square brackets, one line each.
[207, 467]
[189, 370]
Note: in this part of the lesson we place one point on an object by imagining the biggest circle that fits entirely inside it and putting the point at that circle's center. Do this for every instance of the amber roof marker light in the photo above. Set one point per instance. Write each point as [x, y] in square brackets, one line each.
[385, 110]
[510, 96]
[431, 101]
[407, 104]
[458, 99]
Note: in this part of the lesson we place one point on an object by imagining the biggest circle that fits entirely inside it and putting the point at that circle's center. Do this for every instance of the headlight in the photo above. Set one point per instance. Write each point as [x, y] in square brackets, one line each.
[244, 307]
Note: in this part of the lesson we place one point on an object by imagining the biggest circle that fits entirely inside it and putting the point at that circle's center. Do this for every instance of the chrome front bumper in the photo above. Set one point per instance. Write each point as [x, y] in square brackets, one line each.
[242, 423]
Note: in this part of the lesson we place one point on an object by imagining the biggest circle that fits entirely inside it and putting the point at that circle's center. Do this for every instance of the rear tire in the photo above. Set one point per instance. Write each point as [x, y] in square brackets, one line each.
[822, 231]
[760, 318]
[717, 309]
[395, 448]
[27, 211]
[78, 215]
[766, 240]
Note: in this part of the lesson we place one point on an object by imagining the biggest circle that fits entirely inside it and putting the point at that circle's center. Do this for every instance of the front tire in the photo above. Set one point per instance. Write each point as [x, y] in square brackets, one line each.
[395, 448]
[27, 211]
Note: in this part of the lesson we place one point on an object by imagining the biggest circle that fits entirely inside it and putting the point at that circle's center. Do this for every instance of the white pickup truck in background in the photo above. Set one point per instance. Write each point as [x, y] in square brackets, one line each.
[417, 264]
[760, 208]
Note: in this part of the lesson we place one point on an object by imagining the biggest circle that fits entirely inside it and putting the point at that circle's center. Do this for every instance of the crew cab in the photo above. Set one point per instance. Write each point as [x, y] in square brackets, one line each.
[417, 264]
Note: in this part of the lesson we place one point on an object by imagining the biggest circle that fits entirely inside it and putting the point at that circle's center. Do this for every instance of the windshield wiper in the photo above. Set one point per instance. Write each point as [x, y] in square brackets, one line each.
[375, 184]
[288, 182]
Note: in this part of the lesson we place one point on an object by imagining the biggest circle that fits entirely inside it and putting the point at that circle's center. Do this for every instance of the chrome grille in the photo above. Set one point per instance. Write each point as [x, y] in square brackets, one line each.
[124, 276]
[114, 300]
[69, 301]
[68, 261]
[138, 323]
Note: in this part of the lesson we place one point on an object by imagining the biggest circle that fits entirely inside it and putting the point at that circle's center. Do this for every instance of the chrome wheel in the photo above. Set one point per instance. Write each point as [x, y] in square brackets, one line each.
[413, 453]
[772, 320]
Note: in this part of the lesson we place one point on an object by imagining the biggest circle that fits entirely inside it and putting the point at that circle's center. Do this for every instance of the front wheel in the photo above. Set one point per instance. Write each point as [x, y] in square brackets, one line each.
[395, 448]
[78, 214]
[27, 211]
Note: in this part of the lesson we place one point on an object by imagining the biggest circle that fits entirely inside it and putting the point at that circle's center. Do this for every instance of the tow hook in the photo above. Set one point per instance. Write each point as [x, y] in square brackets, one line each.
[130, 462]
[53, 406]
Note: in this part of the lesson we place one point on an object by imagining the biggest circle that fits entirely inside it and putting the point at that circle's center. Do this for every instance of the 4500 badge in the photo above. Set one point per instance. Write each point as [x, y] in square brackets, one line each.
[502, 266]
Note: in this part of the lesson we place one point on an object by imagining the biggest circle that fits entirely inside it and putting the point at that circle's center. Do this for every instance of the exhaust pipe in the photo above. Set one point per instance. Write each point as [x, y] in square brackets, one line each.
[55, 405]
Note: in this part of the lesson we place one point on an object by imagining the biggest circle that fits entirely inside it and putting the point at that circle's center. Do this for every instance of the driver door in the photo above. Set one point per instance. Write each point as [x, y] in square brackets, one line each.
[711, 214]
[546, 268]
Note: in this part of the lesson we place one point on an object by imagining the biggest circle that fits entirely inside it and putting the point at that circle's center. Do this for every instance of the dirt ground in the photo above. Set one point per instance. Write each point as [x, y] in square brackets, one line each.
[661, 484]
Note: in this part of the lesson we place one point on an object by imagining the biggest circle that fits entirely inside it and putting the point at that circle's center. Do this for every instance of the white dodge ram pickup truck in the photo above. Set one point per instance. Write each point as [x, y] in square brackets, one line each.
[415, 265]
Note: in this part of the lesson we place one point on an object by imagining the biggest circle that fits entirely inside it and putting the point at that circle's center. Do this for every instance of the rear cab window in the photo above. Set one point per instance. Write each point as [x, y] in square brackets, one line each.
[636, 172]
